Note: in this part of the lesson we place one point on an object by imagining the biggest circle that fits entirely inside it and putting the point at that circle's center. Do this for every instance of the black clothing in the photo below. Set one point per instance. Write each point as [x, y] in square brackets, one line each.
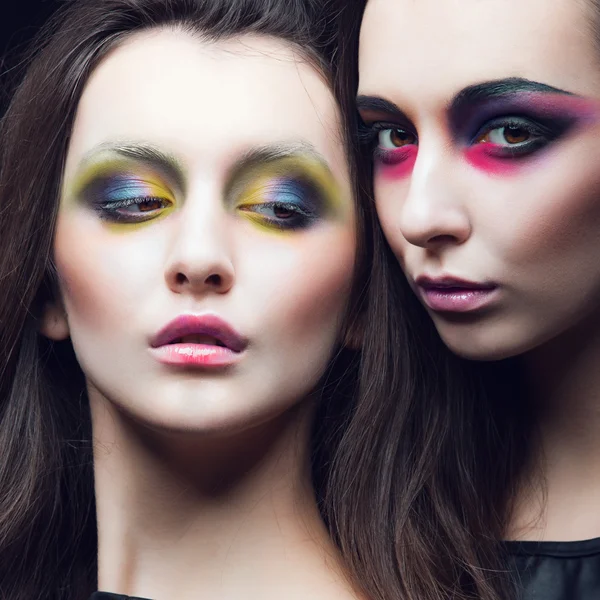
[557, 570]
[107, 596]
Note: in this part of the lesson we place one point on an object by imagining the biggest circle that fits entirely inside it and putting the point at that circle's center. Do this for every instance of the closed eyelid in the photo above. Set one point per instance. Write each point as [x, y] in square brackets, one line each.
[305, 171]
[135, 157]
[114, 182]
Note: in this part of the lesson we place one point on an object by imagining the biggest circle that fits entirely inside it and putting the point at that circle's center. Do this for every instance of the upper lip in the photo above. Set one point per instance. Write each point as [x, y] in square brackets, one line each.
[446, 281]
[209, 325]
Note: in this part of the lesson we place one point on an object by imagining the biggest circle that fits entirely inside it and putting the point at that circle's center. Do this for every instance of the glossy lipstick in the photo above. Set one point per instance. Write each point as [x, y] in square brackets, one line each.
[198, 341]
[449, 294]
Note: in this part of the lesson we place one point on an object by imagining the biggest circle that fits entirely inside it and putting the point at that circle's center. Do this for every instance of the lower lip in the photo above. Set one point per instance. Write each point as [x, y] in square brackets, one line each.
[458, 300]
[196, 355]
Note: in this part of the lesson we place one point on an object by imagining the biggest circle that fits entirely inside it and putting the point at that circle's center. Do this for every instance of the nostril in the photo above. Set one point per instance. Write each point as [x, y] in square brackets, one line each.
[197, 280]
[214, 280]
[442, 239]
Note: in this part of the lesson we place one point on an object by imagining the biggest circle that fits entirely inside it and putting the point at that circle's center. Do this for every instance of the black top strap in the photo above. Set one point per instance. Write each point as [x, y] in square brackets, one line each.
[107, 596]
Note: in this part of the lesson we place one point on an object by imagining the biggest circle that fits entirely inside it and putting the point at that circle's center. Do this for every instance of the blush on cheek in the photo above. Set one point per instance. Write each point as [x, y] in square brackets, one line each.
[396, 164]
[485, 157]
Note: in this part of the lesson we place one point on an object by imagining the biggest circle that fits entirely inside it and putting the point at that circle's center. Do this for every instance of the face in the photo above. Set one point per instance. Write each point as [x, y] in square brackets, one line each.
[484, 122]
[206, 238]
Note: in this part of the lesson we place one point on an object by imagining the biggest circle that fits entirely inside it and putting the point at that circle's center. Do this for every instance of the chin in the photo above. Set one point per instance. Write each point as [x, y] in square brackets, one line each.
[485, 343]
[479, 352]
[179, 410]
[204, 421]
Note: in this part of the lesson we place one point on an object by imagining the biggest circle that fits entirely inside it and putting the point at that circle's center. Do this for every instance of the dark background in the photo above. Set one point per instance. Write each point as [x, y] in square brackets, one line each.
[20, 19]
[19, 22]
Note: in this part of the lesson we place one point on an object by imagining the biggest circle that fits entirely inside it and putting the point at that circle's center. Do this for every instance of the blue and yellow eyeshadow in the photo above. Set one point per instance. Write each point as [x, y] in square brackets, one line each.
[124, 192]
[286, 193]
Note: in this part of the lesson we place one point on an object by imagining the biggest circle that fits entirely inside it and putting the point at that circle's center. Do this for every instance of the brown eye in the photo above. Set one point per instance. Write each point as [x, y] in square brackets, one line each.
[136, 209]
[515, 135]
[150, 205]
[396, 138]
[281, 212]
[506, 136]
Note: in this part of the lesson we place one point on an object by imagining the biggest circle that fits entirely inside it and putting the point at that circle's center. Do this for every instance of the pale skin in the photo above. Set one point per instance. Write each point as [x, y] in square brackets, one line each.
[531, 227]
[202, 477]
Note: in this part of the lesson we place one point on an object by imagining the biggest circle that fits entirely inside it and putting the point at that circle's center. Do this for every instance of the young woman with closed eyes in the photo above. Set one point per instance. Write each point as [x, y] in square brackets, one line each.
[480, 123]
[182, 269]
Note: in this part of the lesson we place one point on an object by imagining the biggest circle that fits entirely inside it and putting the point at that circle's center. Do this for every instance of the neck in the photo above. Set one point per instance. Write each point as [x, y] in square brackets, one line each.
[564, 381]
[220, 518]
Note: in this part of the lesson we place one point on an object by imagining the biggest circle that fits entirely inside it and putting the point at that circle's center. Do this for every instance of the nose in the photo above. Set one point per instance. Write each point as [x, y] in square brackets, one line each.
[433, 214]
[200, 259]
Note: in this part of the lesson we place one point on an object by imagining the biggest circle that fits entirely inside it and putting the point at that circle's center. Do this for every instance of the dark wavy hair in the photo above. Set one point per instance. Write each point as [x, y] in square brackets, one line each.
[434, 469]
[48, 540]
[403, 443]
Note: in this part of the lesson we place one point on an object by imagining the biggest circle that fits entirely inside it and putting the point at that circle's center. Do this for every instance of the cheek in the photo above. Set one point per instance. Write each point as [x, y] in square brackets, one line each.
[571, 218]
[558, 222]
[104, 277]
[305, 286]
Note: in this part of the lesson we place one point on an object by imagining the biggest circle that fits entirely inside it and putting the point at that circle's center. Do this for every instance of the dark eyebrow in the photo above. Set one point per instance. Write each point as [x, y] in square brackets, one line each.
[378, 105]
[466, 98]
[141, 152]
[491, 90]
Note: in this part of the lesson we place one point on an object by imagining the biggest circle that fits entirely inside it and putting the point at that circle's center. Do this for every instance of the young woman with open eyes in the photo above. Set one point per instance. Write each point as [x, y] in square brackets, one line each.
[182, 266]
[480, 123]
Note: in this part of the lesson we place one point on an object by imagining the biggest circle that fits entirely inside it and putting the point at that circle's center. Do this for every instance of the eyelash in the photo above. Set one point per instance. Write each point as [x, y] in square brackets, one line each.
[367, 134]
[300, 219]
[110, 210]
[368, 137]
[546, 133]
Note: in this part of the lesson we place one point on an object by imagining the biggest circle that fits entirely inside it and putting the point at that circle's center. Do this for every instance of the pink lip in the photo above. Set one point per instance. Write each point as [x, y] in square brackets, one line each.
[168, 348]
[449, 294]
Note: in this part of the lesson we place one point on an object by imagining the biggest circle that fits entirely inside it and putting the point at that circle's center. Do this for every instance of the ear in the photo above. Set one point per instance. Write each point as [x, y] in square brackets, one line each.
[54, 324]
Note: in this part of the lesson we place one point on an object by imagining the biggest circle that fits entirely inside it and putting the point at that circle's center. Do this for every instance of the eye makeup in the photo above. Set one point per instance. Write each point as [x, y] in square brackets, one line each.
[393, 144]
[122, 191]
[286, 187]
[499, 125]
[396, 152]
[287, 193]
[501, 136]
[484, 96]
[395, 163]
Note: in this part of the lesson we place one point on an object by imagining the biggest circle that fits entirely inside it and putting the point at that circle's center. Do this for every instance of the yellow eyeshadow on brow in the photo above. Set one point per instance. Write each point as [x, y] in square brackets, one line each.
[118, 168]
[300, 167]
[298, 181]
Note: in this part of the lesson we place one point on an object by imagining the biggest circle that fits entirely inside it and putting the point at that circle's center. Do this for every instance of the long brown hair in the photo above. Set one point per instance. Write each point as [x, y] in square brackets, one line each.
[433, 455]
[48, 541]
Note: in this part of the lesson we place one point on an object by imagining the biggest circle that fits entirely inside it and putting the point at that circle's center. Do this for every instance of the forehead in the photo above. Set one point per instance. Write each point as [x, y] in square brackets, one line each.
[437, 47]
[206, 101]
